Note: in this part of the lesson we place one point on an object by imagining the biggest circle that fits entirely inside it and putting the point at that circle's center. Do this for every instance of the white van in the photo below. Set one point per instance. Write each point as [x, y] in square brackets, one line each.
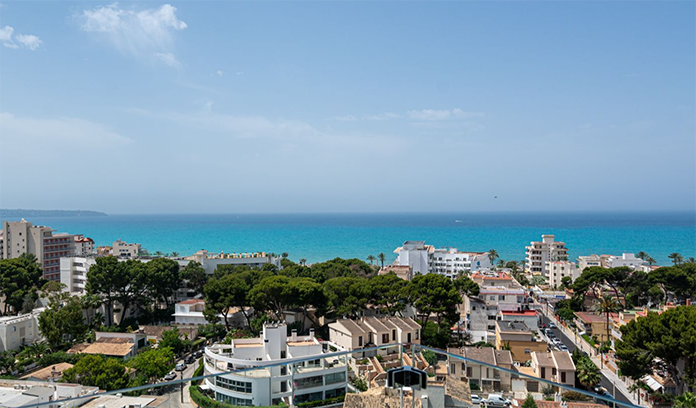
[497, 400]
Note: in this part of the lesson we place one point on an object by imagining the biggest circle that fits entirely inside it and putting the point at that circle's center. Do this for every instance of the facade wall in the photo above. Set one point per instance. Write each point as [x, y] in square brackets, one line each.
[22, 237]
[540, 252]
[17, 331]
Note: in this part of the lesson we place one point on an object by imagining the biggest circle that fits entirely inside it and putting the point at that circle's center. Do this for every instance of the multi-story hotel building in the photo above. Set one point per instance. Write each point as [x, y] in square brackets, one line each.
[450, 262]
[210, 261]
[309, 374]
[84, 246]
[555, 271]
[540, 252]
[73, 273]
[22, 237]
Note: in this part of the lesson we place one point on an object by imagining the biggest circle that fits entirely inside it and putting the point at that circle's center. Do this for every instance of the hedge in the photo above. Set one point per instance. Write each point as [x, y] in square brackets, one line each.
[321, 403]
[204, 401]
[199, 371]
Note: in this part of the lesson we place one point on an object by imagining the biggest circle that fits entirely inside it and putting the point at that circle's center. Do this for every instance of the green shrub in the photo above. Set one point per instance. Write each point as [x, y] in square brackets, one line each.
[474, 387]
[203, 401]
[574, 396]
[359, 383]
[199, 371]
[429, 356]
[321, 403]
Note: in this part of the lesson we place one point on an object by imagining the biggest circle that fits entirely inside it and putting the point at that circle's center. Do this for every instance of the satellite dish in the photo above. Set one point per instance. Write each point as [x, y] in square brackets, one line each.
[407, 376]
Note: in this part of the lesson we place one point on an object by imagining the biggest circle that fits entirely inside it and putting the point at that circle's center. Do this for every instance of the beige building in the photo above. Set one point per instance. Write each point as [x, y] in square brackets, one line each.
[555, 271]
[121, 249]
[595, 324]
[22, 237]
[84, 246]
[351, 334]
[556, 366]
[492, 278]
[518, 338]
[475, 371]
[540, 252]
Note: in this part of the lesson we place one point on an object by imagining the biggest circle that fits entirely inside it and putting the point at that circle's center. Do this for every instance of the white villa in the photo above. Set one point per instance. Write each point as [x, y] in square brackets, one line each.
[277, 368]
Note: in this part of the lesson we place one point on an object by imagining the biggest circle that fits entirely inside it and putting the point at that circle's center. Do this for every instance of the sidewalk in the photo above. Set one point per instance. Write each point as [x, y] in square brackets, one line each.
[582, 345]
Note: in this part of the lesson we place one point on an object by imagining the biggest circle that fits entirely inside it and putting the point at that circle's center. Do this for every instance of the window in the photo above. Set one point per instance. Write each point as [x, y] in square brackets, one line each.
[360, 341]
[553, 371]
[335, 378]
[336, 392]
[309, 382]
[563, 376]
[543, 372]
[385, 338]
[492, 298]
[314, 396]
[416, 334]
[527, 351]
[237, 386]
[453, 368]
[408, 337]
[501, 297]
[232, 400]
[393, 335]
[468, 371]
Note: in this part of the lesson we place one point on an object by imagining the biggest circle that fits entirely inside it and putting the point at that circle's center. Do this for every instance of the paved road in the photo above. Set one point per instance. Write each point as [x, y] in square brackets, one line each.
[605, 382]
[174, 392]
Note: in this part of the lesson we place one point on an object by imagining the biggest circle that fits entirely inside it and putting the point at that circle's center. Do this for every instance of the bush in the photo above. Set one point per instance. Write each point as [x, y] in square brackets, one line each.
[429, 356]
[58, 357]
[359, 383]
[474, 387]
[203, 401]
[574, 396]
[321, 403]
[199, 370]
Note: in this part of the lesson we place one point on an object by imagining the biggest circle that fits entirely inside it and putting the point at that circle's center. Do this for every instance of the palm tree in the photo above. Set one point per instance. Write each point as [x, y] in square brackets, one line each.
[691, 259]
[492, 256]
[643, 255]
[175, 254]
[686, 400]
[158, 253]
[284, 255]
[382, 257]
[651, 261]
[676, 258]
[303, 261]
[588, 373]
[607, 305]
[372, 259]
[39, 349]
[501, 263]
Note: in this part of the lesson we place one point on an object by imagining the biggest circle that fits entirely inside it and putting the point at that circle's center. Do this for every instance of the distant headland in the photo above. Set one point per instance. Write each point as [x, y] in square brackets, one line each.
[21, 213]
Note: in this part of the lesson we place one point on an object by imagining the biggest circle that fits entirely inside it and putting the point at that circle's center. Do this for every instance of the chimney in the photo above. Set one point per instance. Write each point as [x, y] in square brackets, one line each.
[311, 333]
[294, 335]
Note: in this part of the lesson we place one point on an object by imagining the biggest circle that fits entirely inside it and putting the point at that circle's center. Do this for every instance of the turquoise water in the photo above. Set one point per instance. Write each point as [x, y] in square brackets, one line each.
[318, 237]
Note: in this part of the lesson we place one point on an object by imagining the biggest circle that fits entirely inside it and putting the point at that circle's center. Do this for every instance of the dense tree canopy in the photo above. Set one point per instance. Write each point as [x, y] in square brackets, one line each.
[62, 321]
[388, 293]
[434, 294]
[98, 371]
[153, 363]
[347, 296]
[659, 342]
[20, 278]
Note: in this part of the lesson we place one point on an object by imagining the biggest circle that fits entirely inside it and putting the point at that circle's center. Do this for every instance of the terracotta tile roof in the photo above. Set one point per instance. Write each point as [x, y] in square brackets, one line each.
[47, 372]
[483, 354]
[544, 359]
[351, 325]
[503, 357]
[557, 404]
[191, 302]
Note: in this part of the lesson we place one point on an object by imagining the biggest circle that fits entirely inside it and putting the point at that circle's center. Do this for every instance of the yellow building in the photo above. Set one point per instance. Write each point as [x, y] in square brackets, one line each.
[518, 338]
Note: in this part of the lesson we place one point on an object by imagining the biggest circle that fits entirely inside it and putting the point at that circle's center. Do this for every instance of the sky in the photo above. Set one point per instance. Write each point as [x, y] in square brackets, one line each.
[232, 107]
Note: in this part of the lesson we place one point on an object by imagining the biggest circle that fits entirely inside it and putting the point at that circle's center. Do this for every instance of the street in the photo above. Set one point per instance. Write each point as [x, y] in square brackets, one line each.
[174, 392]
[605, 382]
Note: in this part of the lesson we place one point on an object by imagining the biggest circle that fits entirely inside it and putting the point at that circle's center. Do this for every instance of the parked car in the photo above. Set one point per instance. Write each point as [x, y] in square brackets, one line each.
[563, 347]
[198, 354]
[170, 376]
[189, 359]
[552, 326]
[557, 341]
[497, 400]
[475, 399]
[180, 367]
[600, 391]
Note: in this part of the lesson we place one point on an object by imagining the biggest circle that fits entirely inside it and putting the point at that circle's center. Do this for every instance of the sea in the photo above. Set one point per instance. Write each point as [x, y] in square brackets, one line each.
[318, 237]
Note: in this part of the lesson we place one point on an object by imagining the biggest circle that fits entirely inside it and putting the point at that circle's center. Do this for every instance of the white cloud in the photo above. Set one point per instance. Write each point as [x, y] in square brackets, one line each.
[446, 114]
[168, 59]
[30, 41]
[239, 73]
[137, 33]
[346, 118]
[382, 116]
[220, 73]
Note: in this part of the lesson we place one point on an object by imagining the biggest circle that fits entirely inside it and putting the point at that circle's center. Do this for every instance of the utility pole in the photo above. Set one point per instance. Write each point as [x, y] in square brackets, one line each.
[182, 386]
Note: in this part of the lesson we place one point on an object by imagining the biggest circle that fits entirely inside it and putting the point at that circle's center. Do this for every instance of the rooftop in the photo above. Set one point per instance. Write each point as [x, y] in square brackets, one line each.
[512, 327]
[491, 275]
[588, 317]
[47, 373]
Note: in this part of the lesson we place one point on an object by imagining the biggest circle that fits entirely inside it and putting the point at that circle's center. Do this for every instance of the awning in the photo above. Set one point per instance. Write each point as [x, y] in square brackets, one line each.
[651, 382]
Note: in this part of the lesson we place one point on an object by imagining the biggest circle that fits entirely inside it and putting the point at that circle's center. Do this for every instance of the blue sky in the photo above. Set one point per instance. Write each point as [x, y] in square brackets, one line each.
[208, 107]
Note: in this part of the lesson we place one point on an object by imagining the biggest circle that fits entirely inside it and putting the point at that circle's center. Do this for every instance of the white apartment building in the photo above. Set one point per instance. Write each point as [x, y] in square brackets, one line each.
[450, 262]
[122, 249]
[309, 375]
[20, 237]
[73, 273]
[84, 246]
[495, 299]
[190, 313]
[210, 261]
[612, 261]
[18, 331]
[555, 271]
[540, 252]
[23, 393]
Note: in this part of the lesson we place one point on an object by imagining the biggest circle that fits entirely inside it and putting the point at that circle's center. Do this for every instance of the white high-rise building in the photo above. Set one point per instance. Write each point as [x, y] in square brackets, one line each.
[540, 252]
[73, 273]
[450, 262]
[307, 376]
[555, 271]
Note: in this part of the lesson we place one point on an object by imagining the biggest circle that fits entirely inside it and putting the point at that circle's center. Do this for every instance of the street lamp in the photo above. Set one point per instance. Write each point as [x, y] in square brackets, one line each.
[181, 374]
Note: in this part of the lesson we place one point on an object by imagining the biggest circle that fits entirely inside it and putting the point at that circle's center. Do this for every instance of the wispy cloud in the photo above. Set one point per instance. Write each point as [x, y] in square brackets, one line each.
[383, 116]
[147, 33]
[59, 131]
[445, 114]
[239, 73]
[220, 73]
[345, 118]
[168, 59]
[27, 41]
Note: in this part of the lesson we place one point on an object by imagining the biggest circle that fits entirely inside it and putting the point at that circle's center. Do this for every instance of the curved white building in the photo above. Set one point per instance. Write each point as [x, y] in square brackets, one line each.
[309, 374]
